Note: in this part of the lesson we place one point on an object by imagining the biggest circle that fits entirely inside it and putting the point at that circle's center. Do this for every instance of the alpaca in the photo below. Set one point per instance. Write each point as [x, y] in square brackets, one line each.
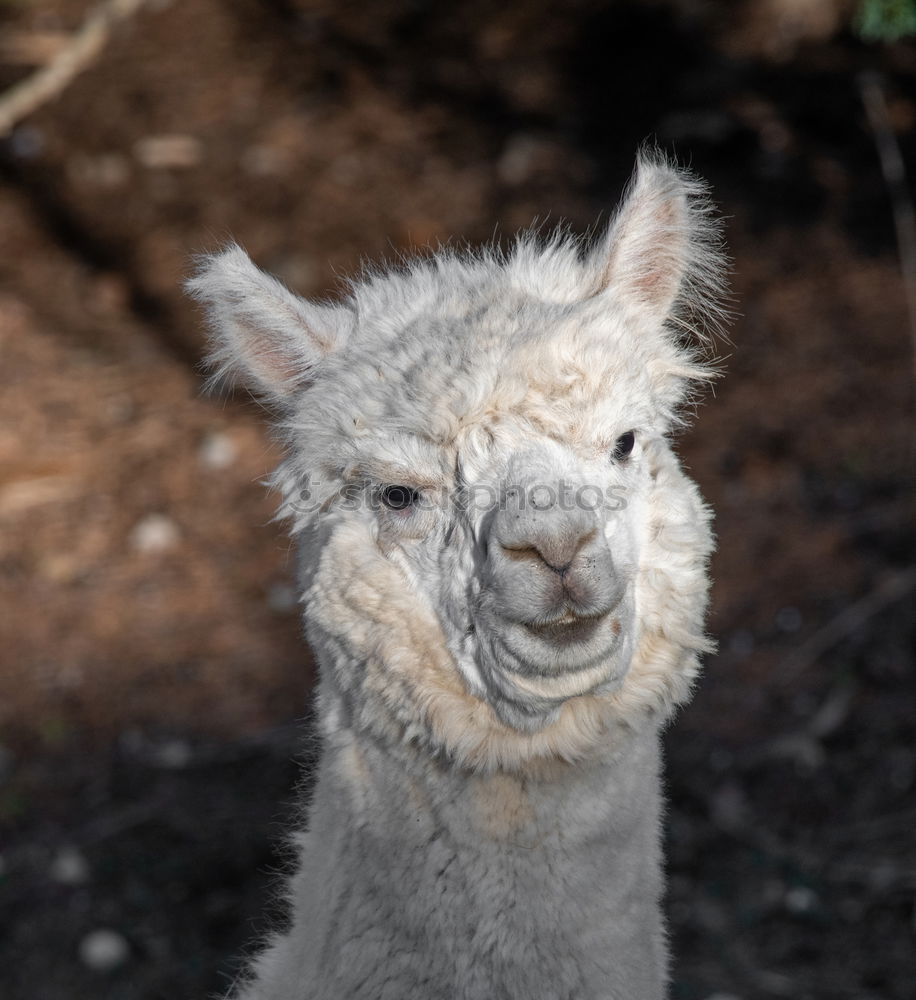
[504, 576]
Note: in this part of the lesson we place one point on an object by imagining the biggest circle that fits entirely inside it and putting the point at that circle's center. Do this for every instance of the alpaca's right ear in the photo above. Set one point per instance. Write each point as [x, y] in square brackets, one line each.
[263, 335]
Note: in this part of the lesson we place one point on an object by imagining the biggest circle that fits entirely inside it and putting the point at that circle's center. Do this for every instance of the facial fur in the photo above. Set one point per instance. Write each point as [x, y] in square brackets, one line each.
[539, 582]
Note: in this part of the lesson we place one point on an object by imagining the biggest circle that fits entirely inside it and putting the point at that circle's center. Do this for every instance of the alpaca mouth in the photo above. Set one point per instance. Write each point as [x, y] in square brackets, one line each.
[570, 628]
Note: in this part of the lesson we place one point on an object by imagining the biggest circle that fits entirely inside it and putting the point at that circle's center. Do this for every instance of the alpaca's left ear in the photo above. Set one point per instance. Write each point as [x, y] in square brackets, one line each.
[662, 252]
[261, 334]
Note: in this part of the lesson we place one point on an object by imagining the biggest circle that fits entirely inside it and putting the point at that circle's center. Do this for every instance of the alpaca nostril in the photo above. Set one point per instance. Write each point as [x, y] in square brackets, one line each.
[559, 563]
[556, 552]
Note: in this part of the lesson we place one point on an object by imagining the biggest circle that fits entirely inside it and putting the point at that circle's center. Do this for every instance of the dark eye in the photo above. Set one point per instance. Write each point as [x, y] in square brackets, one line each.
[623, 446]
[399, 497]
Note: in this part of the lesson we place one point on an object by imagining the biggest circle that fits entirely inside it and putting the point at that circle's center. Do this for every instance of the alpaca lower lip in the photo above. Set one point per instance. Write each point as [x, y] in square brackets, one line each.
[569, 628]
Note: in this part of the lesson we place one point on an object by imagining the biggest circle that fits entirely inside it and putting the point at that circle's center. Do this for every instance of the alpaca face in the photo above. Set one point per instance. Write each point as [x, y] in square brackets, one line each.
[518, 532]
[477, 461]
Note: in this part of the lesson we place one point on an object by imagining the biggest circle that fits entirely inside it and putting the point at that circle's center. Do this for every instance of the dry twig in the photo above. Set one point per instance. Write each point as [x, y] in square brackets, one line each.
[892, 589]
[51, 80]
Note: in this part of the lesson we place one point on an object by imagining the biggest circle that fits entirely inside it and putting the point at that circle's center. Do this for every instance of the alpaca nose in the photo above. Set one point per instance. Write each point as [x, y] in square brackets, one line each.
[548, 557]
[556, 549]
[543, 532]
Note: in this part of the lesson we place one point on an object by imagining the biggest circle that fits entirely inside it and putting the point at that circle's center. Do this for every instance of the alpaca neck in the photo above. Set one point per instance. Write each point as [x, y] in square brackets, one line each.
[613, 796]
[560, 860]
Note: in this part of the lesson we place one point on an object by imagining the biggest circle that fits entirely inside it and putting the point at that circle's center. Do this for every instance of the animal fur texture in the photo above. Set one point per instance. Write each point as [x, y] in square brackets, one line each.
[504, 580]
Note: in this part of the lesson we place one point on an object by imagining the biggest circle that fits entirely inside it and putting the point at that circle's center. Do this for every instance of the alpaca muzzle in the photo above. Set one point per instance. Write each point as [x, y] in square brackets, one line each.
[549, 565]
[555, 616]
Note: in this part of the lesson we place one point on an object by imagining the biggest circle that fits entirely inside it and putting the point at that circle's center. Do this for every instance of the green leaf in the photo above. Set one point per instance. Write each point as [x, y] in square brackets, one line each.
[885, 20]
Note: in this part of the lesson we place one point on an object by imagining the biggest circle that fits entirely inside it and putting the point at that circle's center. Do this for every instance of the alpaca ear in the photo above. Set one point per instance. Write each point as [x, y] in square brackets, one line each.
[263, 335]
[662, 251]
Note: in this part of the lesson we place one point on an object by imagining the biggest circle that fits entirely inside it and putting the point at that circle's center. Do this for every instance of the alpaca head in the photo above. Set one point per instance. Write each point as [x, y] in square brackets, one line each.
[501, 556]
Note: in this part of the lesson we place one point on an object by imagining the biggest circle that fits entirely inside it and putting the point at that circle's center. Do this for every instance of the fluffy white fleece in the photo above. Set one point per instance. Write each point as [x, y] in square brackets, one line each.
[486, 817]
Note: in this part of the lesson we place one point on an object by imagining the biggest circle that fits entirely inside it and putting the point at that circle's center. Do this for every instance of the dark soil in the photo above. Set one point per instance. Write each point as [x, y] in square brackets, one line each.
[151, 666]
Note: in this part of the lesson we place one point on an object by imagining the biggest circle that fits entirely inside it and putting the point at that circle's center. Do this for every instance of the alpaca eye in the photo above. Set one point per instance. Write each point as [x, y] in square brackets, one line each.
[623, 446]
[399, 497]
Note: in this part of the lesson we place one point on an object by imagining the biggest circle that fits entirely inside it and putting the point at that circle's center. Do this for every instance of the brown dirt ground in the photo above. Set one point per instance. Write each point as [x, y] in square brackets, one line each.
[150, 656]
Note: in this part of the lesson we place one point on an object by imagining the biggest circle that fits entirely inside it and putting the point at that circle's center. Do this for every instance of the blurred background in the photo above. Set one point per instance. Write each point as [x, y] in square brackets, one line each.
[153, 683]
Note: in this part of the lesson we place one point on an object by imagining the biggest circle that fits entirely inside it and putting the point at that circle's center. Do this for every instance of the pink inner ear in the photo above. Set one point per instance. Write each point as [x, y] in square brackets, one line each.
[655, 285]
[646, 257]
[658, 281]
[280, 370]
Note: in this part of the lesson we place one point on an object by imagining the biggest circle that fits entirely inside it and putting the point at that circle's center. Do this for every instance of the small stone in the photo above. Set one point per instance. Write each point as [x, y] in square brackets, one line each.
[173, 755]
[104, 950]
[169, 152]
[217, 451]
[800, 899]
[155, 533]
[69, 867]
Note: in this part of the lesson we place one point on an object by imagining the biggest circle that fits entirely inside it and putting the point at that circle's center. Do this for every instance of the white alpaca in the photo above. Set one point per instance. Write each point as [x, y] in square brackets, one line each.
[504, 581]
